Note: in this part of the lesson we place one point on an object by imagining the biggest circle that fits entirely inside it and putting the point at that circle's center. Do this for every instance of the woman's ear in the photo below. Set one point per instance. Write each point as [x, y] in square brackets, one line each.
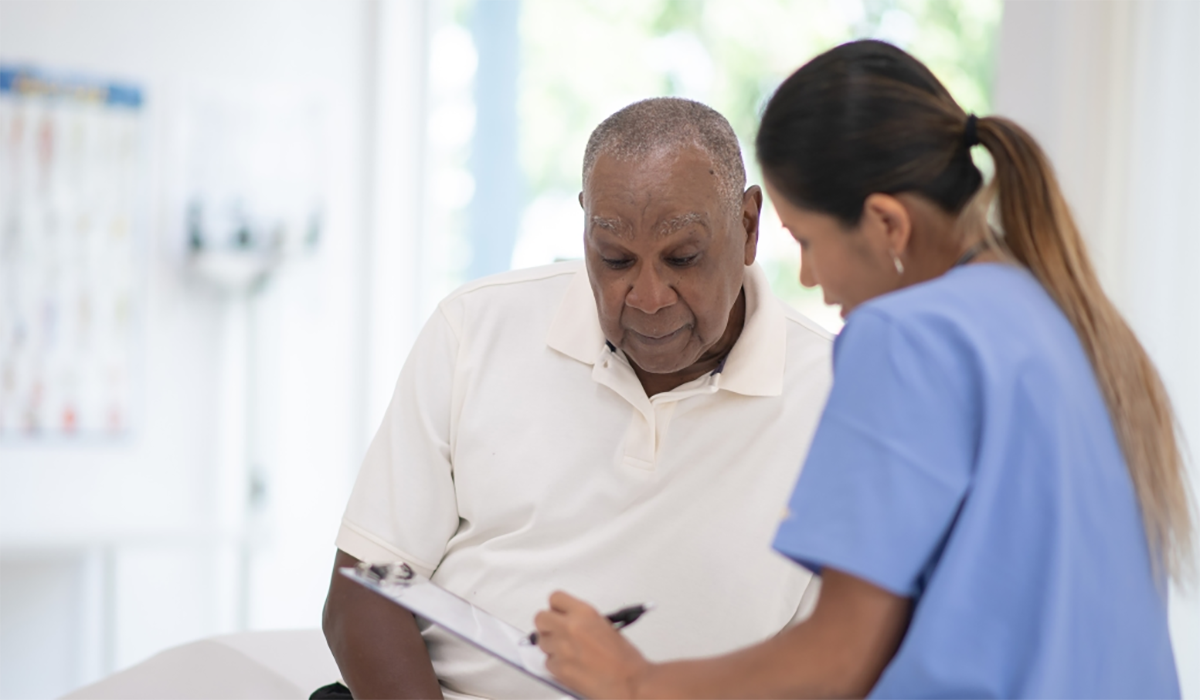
[888, 223]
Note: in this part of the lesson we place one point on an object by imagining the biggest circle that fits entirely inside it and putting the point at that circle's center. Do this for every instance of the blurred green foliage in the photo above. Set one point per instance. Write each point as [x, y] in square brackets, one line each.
[584, 59]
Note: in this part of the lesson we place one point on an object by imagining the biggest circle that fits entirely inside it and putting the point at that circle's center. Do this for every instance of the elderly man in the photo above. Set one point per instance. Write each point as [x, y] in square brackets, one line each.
[628, 428]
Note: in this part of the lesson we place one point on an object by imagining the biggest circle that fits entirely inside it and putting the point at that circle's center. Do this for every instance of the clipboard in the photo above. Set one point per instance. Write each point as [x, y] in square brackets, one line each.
[408, 589]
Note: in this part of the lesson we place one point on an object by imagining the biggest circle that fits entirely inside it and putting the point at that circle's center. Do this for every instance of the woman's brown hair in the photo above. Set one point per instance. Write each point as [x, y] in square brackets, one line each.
[865, 118]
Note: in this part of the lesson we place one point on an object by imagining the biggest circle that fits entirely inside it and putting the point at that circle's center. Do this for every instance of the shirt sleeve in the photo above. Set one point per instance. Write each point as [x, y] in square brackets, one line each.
[892, 457]
[403, 506]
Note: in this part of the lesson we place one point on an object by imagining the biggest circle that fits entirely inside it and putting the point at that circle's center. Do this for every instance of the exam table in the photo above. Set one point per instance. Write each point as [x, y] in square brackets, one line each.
[267, 665]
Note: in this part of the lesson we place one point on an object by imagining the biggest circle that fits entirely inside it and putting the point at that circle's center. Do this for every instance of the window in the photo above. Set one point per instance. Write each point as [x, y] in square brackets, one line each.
[575, 63]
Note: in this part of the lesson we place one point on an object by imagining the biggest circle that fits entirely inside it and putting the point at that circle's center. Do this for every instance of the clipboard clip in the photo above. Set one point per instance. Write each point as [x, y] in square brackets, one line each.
[397, 573]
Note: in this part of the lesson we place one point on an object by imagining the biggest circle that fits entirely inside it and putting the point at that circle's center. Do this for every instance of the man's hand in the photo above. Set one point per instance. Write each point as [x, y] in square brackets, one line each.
[585, 652]
[376, 644]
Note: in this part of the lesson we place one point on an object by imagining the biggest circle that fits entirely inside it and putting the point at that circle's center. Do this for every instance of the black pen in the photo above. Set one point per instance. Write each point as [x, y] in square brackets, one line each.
[621, 618]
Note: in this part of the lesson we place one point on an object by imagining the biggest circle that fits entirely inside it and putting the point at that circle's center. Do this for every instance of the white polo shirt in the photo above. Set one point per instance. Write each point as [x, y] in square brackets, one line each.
[520, 455]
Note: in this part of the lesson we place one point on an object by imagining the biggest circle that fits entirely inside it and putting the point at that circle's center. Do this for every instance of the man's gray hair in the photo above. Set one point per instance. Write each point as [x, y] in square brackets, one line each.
[648, 127]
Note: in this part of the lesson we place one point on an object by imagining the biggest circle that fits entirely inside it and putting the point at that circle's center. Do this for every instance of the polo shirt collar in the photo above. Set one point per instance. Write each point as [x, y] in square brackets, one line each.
[754, 367]
[575, 331]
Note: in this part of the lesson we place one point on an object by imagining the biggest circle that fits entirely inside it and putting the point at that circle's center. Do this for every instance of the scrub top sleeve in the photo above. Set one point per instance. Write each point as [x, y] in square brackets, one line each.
[403, 506]
[891, 459]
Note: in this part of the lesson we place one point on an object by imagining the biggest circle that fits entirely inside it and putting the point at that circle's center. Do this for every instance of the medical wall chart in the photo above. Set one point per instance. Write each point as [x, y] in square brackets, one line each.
[71, 165]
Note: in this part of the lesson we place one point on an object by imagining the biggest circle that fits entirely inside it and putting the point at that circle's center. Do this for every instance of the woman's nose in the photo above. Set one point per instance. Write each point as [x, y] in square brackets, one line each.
[807, 277]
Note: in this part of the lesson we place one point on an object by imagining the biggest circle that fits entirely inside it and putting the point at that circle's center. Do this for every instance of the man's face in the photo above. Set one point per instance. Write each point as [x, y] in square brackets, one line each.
[665, 255]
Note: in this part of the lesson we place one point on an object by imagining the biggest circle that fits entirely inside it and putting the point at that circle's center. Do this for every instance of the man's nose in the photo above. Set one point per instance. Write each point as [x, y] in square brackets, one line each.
[650, 291]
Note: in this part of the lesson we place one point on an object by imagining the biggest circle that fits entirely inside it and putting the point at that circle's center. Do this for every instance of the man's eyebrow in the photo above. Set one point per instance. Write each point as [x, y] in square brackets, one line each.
[672, 225]
[611, 225]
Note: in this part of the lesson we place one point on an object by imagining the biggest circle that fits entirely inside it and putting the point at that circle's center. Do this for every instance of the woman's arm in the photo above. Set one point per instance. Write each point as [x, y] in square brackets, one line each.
[838, 652]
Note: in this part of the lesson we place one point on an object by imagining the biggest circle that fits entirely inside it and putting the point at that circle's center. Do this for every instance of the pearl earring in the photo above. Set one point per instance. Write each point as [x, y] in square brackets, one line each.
[899, 265]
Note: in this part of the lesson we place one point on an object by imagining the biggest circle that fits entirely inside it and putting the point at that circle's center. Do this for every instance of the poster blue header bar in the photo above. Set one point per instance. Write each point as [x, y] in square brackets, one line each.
[29, 82]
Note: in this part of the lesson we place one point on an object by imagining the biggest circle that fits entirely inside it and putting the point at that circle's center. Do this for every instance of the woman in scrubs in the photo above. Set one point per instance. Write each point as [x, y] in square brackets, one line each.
[994, 497]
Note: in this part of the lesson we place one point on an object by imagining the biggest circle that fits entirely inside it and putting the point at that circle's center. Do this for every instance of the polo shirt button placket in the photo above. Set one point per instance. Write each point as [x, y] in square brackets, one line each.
[639, 448]
[651, 416]
[640, 443]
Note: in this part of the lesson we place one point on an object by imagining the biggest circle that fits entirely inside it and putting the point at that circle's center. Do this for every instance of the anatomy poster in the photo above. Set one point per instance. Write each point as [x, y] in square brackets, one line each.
[71, 163]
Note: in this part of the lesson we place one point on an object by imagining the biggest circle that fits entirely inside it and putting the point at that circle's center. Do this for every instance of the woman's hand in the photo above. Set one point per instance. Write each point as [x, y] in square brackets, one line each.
[838, 652]
[585, 652]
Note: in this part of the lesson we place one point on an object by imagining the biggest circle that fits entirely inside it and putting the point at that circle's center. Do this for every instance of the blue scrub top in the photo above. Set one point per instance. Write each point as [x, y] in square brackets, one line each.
[966, 460]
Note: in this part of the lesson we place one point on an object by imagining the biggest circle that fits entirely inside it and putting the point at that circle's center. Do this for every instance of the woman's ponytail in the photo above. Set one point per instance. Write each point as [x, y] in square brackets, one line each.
[867, 117]
[1040, 232]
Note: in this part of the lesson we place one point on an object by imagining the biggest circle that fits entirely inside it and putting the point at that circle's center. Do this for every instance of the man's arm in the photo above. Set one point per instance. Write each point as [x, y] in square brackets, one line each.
[838, 652]
[375, 642]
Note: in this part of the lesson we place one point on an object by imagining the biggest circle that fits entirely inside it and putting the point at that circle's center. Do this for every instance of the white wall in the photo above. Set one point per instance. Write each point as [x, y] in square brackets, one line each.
[1162, 250]
[41, 610]
[400, 262]
[1112, 92]
[153, 523]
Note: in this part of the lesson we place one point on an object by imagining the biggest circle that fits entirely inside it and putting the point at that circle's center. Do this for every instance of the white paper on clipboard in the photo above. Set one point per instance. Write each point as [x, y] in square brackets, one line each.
[408, 589]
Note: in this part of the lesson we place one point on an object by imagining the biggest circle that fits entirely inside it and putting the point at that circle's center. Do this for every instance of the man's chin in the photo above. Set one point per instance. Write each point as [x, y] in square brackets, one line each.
[661, 363]
[667, 354]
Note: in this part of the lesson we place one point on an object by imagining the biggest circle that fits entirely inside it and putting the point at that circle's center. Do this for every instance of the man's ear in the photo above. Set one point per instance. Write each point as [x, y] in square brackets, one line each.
[889, 224]
[752, 200]
[581, 201]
